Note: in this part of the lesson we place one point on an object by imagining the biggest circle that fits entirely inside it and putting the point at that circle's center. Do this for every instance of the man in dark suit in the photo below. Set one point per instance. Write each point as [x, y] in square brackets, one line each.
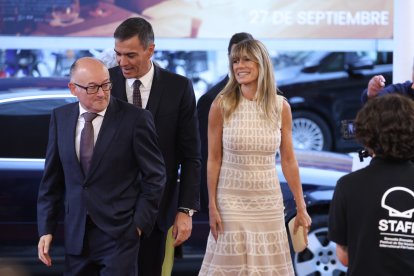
[203, 108]
[111, 195]
[170, 98]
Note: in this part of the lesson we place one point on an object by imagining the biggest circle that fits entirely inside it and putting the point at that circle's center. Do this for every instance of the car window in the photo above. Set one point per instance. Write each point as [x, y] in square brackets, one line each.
[314, 58]
[25, 126]
[332, 63]
[33, 107]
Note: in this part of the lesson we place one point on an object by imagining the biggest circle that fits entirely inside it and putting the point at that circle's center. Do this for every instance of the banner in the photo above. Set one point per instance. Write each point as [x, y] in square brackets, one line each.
[265, 19]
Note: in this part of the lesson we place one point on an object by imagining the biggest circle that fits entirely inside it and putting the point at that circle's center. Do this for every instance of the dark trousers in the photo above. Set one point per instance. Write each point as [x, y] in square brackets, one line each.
[151, 253]
[102, 255]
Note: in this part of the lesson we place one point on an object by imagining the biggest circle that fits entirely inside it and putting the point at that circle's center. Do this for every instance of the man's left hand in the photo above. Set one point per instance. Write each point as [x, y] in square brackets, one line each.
[183, 225]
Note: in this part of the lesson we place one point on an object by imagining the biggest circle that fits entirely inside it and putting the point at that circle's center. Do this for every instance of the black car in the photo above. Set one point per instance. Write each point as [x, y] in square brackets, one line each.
[22, 150]
[25, 107]
[319, 172]
[326, 89]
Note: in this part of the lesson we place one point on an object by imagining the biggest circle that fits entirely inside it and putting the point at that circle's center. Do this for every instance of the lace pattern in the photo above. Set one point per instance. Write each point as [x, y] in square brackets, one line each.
[249, 198]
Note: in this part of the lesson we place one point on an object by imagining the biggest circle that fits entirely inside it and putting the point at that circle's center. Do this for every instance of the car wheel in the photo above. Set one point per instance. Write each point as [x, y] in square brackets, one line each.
[319, 258]
[310, 132]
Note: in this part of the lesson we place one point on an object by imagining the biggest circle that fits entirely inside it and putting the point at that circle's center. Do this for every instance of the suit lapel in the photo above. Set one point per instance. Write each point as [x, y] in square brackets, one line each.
[109, 127]
[119, 89]
[69, 135]
[157, 89]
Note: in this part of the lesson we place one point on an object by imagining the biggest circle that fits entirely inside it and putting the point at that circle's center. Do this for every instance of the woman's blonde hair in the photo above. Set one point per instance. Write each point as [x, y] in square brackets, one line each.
[229, 97]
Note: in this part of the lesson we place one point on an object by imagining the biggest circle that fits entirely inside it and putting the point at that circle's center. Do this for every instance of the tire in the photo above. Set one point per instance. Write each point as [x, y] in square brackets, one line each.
[319, 258]
[310, 132]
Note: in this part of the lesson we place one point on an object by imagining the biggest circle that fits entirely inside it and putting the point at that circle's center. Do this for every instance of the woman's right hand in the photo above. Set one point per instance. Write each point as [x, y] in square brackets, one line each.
[216, 225]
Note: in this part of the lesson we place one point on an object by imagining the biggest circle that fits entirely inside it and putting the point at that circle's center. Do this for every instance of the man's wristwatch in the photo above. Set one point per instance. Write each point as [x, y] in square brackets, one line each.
[188, 211]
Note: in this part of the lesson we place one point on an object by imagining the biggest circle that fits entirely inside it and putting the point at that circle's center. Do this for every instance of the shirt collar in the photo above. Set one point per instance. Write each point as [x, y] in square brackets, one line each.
[83, 110]
[145, 79]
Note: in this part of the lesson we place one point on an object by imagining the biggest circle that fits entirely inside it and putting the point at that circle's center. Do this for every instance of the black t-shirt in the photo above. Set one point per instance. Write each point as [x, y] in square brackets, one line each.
[372, 214]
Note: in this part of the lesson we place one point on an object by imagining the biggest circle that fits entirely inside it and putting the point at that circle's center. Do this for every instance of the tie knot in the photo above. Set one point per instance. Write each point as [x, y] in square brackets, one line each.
[88, 116]
[137, 84]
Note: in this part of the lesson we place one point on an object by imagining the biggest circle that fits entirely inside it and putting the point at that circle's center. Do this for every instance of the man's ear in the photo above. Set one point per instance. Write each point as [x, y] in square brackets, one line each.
[72, 88]
[151, 49]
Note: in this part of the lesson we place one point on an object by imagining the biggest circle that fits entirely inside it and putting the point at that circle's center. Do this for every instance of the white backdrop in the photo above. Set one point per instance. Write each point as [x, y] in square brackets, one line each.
[403, 59]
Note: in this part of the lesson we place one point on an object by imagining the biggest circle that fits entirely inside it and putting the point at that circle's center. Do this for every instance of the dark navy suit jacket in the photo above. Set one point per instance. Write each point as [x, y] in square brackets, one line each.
[402, 88]
[172, 104]
[203, 109]
[122, 187]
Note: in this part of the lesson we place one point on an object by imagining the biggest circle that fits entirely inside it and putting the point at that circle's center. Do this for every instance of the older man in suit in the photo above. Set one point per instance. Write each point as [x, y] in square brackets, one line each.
[110, 190]
[170, 98]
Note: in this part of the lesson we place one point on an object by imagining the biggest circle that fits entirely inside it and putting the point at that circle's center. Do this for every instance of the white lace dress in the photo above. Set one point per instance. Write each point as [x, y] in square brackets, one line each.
[249, 200]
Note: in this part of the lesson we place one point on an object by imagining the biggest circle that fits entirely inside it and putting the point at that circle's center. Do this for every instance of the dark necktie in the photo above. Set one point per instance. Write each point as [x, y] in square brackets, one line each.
[136, 94]
[87, 141]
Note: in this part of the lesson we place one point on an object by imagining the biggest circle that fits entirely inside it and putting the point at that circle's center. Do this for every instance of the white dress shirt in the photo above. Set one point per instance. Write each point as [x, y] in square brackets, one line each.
[96, 123]
[145, 88]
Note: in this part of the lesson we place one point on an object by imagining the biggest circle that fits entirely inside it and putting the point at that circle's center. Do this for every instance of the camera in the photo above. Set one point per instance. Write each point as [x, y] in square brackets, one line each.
[348, 132]
[348, 129]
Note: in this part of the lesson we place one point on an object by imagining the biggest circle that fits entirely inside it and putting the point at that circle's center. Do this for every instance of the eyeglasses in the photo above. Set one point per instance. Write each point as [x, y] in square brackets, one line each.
[93, 89]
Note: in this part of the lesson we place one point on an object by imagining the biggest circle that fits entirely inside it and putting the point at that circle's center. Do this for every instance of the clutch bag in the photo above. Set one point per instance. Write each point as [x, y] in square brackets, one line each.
[300, 239]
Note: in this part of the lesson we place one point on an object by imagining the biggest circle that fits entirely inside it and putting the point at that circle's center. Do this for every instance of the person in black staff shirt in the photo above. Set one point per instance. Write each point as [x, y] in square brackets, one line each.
[371, 214]
[203, 108]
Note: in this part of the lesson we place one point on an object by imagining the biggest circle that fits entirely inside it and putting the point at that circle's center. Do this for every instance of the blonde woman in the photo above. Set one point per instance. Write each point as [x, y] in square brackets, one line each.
[248, 124]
